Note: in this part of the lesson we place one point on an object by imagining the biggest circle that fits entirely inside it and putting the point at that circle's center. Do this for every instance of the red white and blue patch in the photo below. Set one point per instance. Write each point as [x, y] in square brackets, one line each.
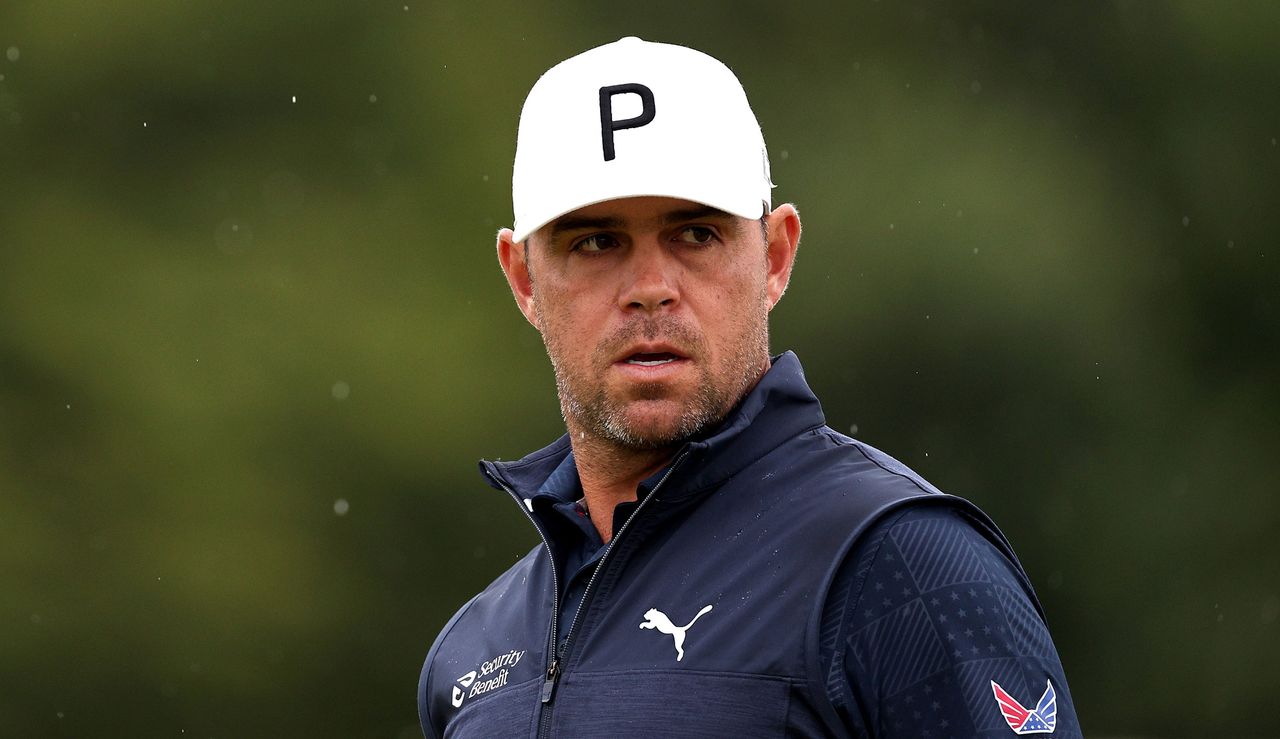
[1042, 720]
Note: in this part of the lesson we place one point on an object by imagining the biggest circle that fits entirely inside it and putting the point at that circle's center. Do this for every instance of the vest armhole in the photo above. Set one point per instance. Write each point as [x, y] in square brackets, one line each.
[817, 683]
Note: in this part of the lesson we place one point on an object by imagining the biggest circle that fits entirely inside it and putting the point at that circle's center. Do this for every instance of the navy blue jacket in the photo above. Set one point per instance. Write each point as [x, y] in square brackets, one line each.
[705, 615]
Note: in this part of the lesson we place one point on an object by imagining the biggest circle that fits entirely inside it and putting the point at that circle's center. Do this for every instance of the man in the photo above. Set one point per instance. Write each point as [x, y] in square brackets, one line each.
[715, 560]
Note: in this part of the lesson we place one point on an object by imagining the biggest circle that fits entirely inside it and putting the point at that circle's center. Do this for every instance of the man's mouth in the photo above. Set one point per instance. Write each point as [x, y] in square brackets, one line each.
[651, 360]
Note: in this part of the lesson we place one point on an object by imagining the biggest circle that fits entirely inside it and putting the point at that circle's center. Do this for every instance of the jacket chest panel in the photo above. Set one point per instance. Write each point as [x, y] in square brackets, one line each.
[718, 587]
[746, 619]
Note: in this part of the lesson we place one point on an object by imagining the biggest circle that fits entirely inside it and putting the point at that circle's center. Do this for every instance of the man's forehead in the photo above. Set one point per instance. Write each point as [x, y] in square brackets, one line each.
[635, 212]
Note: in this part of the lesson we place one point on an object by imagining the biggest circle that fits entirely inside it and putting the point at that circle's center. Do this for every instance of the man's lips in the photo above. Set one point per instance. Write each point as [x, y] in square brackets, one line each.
[651, 360]
[650, 355]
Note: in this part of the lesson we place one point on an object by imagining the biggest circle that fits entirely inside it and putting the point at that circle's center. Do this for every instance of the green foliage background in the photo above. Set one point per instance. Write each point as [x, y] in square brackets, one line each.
[246, 273]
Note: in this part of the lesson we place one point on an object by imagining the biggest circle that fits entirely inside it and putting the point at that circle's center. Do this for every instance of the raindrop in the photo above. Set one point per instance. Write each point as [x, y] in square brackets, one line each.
[785, 155]
[890, 226]
[373, 98]
[1186, 221]
[12, 53]
[975, 87]
[341, 506]
[233, 236]
[293, 99]
[340, 390]
[853, 429]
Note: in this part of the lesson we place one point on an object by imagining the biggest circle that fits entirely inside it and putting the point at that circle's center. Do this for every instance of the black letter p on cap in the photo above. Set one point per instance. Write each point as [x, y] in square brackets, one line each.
[608, 125]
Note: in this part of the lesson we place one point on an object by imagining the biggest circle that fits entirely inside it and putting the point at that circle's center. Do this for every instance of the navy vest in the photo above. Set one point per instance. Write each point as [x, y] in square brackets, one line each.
[703, 617]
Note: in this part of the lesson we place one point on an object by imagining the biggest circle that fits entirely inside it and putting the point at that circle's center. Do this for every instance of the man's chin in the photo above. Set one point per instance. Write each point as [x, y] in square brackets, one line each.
[655, 424]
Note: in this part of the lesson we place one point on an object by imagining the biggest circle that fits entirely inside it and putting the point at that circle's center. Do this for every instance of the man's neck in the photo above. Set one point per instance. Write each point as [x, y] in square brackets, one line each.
[610, 475]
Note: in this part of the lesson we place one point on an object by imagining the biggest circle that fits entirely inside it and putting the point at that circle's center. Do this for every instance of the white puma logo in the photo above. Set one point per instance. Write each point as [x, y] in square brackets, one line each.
[655, 619]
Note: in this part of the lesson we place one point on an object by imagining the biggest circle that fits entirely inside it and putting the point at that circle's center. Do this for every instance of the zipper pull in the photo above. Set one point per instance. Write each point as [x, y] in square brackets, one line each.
[549, 685]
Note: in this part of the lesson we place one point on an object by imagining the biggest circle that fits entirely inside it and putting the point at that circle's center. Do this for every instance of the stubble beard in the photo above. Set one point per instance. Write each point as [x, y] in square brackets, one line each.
[588, 407]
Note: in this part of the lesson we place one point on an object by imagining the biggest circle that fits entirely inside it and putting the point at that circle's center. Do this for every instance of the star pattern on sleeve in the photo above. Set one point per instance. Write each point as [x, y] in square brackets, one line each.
[924, 613]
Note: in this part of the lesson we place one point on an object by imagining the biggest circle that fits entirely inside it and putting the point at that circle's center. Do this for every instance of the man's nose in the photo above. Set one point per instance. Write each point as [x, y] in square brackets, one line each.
[651, 279]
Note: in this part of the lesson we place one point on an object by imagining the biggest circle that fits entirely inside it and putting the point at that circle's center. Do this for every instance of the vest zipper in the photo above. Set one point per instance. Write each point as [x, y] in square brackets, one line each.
[554, 670]
[553, 675]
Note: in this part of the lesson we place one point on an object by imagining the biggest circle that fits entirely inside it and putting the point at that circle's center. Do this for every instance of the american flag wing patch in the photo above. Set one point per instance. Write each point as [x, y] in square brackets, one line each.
[1014, 714]
[1043, 720]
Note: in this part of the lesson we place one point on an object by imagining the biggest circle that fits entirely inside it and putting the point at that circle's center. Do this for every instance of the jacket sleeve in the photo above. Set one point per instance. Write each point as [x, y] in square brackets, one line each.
[931, 631]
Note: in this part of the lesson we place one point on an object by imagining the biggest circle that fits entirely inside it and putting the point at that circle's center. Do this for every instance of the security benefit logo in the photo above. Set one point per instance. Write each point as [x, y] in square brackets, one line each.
[490, 675]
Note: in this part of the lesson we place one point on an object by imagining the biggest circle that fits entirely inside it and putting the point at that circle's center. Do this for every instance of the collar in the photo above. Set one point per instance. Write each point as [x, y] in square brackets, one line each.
[778, 408]
[562, 485]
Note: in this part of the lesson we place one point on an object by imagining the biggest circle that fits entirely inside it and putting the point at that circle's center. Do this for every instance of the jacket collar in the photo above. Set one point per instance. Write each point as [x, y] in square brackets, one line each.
[778, 408]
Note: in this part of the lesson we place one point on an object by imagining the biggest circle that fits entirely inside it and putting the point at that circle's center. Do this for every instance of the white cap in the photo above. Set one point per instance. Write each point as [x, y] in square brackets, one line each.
[636, 118]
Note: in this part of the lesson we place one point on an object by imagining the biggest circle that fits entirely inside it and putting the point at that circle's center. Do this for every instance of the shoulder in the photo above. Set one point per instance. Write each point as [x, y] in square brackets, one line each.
[833, 461]
[842, 481]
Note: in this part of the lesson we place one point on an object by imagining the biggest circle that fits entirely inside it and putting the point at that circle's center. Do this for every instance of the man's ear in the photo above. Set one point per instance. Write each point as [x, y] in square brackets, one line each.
[513, 256]
[784, 240]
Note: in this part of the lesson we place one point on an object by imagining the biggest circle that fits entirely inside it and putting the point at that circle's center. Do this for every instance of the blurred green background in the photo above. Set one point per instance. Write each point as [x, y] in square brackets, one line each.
[253, 335]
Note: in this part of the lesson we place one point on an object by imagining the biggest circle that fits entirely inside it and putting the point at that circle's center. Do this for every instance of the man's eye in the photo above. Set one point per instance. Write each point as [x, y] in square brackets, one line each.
[595, 243]
[697, 235]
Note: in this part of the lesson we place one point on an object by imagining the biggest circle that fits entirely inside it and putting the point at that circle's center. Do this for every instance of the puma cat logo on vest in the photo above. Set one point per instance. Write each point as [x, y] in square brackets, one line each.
[655, 619]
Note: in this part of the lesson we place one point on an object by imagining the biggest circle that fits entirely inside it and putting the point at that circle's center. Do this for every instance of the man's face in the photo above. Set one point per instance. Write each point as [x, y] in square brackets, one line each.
[654, 312]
